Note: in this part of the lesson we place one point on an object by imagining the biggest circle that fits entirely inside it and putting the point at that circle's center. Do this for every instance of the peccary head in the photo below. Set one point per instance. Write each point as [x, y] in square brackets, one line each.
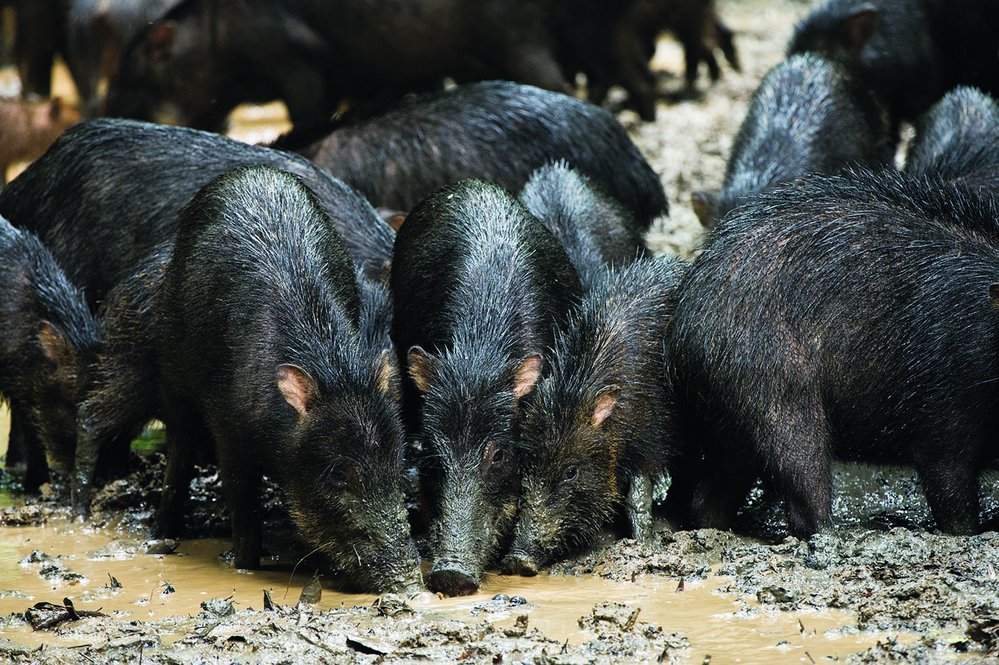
[48, 339]
[468, 435]
[569, 463]
[171, 74]
[838, 29]
[345, 473]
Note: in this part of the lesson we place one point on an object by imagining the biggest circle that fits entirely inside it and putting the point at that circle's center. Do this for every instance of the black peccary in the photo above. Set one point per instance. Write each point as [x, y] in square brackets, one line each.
[479, 286]
[853, 317]
[909, 52]
[46, 332]
[109, 191]
[593, 228]
[958, 140]
[197, 63]
[807, 115]
[97, 34]
[258, 342]
[598, 428]
[697, 27]
[496, 131]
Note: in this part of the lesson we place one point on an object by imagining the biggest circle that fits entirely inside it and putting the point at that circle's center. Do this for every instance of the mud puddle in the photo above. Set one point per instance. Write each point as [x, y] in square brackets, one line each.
[109, 571]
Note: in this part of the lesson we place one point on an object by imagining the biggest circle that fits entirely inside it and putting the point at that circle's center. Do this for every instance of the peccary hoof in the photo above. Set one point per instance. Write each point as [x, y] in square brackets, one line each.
[518, 563]
[452, 581]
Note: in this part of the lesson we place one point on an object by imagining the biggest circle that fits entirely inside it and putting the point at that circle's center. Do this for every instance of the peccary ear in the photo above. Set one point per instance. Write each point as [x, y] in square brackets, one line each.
[161, 37]
[858, 28]
[56, 347]
[527, 375]
[388, 374]
[994, 294]
[705, 205]
[395, 218]
[297, 387]
[421, 367]
[606, 401]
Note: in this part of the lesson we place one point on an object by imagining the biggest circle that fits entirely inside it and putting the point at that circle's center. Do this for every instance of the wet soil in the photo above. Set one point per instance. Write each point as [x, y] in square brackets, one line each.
[879, 587]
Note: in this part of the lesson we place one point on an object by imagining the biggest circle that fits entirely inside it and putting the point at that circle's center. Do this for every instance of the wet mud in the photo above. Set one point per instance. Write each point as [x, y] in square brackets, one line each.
[878, 587]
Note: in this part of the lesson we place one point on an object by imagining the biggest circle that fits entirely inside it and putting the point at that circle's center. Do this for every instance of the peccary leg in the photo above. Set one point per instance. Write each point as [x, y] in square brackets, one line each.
[241, 481]
[794, 443]
[951, 487]
[180, 447]
[638, 504]
[24, 439]
[123, 400]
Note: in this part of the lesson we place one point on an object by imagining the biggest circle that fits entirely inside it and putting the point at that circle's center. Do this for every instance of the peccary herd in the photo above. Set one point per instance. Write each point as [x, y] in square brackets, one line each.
[508, 335]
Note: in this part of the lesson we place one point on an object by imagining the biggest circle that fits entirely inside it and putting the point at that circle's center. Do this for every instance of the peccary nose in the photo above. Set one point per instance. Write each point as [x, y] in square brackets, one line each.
[519, 563]
[452, 580]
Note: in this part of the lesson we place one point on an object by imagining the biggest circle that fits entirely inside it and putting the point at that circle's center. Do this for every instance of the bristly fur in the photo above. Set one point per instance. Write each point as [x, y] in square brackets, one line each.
[260, 279]
[958, 140]
[594, 229]
[497, 131]
[807, 115]
[843, 317]
[480, 285]
[40, 390]
[109, 191]
[613, 344]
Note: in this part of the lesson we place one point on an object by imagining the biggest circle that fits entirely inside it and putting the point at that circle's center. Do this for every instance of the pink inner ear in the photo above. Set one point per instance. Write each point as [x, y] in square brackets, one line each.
[53, 342]
[420, 368]
[605, 406]
[527, 375]
[860, 27]
[161, 37]
[296, 386]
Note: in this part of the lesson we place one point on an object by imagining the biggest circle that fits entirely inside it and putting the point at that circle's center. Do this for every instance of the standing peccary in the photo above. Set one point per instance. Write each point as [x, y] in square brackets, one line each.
[46, 333]
[593, 228]
[842, 317]
[495, 131]
[198, 62]
[479, 286]
[697, 27]
[109, 191]
[258, 340]
[958, 140]
[598, 427]
[807, 115]
[909, 52]
[97, 34]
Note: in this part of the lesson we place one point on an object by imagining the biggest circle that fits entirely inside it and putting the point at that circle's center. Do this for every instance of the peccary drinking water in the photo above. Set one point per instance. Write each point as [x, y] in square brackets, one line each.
[909, 52]
[958, 140]
[258, 340]
[479, 286]
[598, 427]
[852, 317]
[593, 228]
[46, 330]
[495, 131]
[109, 191]
[807, 115]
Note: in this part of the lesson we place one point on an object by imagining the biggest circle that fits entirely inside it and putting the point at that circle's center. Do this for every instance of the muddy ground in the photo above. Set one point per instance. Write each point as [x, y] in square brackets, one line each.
[879, 587]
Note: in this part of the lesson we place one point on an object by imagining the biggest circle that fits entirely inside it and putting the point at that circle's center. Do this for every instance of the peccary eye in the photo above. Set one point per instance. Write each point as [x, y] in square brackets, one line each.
[499, 456]
[571, 473]
[337, 479]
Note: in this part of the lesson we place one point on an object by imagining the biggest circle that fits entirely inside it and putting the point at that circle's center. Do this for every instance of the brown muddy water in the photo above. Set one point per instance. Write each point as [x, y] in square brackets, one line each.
[107, 569]
[879, 587]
